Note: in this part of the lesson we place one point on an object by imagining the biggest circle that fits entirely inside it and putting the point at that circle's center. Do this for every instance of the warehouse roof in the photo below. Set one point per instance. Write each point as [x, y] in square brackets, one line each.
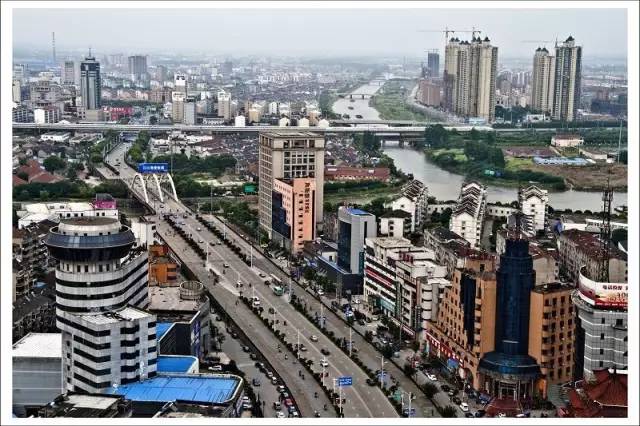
[208, 389]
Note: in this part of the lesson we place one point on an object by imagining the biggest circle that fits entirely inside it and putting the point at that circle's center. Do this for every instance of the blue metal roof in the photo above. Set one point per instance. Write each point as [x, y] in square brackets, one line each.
[162, 328]
[358, 212]
[175, 363]
[207, 389]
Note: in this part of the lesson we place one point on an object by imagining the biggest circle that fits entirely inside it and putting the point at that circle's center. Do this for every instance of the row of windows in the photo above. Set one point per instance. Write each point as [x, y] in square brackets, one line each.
[100, 296]
[88, 369]
[143, 289]
[90, 344]
[101, 283]
[96, 359]
[89, 382]
[94, 333]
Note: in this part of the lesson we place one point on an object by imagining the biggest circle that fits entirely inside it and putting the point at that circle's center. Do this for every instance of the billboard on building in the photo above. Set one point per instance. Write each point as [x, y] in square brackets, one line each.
[153, 167]
[604, 295]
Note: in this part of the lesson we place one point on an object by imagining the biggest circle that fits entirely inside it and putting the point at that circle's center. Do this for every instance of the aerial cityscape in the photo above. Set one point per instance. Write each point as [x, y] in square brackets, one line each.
[423, 213]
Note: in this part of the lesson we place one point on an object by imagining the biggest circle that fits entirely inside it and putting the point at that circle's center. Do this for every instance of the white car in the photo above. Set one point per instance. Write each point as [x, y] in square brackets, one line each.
[502, 415]
[280, 415]
[432, 377]
[356, 301]
[314, 338]
[324, 363]
[320, 292]
[256, 301]
[464, 407]
[216, 367]
[198, 229]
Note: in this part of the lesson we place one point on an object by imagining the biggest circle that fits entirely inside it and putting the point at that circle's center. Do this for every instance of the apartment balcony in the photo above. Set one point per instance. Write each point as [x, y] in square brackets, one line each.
[478, 301]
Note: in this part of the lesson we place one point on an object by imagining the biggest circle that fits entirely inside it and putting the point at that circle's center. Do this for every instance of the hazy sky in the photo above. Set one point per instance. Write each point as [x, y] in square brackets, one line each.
[321, 32]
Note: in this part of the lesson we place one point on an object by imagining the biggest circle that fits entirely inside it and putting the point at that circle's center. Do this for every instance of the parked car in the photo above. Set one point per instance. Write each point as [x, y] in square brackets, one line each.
[274, 380]
[216, 367]
[468, 414]
[234, 335]
[277, 405]
[362, 322]
[302, 348]
[253, 356]
[432, 377]
[280, 415]
[464, 407]
[372, 382]
[456, 400]
[480, 413]
[281, 388]
[255, 382]
[246, 349]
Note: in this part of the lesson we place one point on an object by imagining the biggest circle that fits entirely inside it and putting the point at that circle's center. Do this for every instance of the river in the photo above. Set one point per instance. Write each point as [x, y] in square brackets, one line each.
[445, 185]
[360, 106]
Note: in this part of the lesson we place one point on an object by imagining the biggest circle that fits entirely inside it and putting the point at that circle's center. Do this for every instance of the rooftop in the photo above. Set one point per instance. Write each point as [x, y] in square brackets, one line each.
[90, 221]
[127, 313]
[175, 363]
[553, 288]
[208, 389]
[162, 328]
[39, 345]
[168, 299]
[390, 242]
[397, 214]
[358, 212]
[290, 134]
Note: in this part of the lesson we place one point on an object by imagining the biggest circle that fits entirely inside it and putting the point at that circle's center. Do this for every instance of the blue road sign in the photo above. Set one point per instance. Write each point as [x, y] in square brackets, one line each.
[345, 381]
[153, 167]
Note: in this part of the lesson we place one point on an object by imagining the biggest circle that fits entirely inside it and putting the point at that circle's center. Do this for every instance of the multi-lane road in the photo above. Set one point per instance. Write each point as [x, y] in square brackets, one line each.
[362, 400]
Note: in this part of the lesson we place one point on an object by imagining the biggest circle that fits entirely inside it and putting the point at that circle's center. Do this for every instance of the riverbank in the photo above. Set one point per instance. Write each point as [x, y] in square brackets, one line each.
[445, 185]
[361, 195]
[391, 102]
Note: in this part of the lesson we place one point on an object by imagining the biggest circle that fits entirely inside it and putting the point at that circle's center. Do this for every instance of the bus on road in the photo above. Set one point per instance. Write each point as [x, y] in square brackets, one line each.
[278, 290]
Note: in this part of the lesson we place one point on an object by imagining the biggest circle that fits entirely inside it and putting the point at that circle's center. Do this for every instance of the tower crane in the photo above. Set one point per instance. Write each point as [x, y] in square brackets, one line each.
[446, 32]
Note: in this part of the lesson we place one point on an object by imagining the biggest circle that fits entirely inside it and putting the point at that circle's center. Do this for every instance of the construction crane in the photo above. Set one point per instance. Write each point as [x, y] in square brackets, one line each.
[446, 32]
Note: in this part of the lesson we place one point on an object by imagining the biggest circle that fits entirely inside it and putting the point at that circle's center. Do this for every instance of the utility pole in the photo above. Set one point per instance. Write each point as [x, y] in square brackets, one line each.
[381, 371]
[298, 346]
[350, 341]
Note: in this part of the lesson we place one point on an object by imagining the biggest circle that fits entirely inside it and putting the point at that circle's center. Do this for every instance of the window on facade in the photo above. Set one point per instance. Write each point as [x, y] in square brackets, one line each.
[601, 320]
[86, 268]
[601, 336]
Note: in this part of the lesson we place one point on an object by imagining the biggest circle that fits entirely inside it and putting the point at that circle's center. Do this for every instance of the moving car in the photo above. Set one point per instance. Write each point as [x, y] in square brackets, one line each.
[255, 382]
[216, 367]
[313, 338]
[464, 407]
[325, 351]
[324, 363]
[372, 382]
[226, 265]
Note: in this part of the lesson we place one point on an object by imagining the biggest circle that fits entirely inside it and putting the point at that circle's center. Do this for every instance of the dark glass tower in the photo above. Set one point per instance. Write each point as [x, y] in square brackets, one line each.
[90, 83]
[509, 368]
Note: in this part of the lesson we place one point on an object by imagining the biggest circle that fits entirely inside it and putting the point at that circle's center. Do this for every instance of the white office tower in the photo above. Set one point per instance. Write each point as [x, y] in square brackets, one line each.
[567, 80]
[69, 73]
[180, 83]
[240, 121]
[177, 106]
[224, 105]
[543, 80]
[101, 291]
[468, 215]
[189, 115]
[273, 108]
[533, 203]
[289, 155]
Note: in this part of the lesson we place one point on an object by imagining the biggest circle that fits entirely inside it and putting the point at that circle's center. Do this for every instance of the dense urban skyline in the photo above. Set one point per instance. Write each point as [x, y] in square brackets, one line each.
[312, 32]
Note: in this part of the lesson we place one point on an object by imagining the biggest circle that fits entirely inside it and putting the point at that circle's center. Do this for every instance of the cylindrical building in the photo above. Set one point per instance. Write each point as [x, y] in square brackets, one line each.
[101, 289]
